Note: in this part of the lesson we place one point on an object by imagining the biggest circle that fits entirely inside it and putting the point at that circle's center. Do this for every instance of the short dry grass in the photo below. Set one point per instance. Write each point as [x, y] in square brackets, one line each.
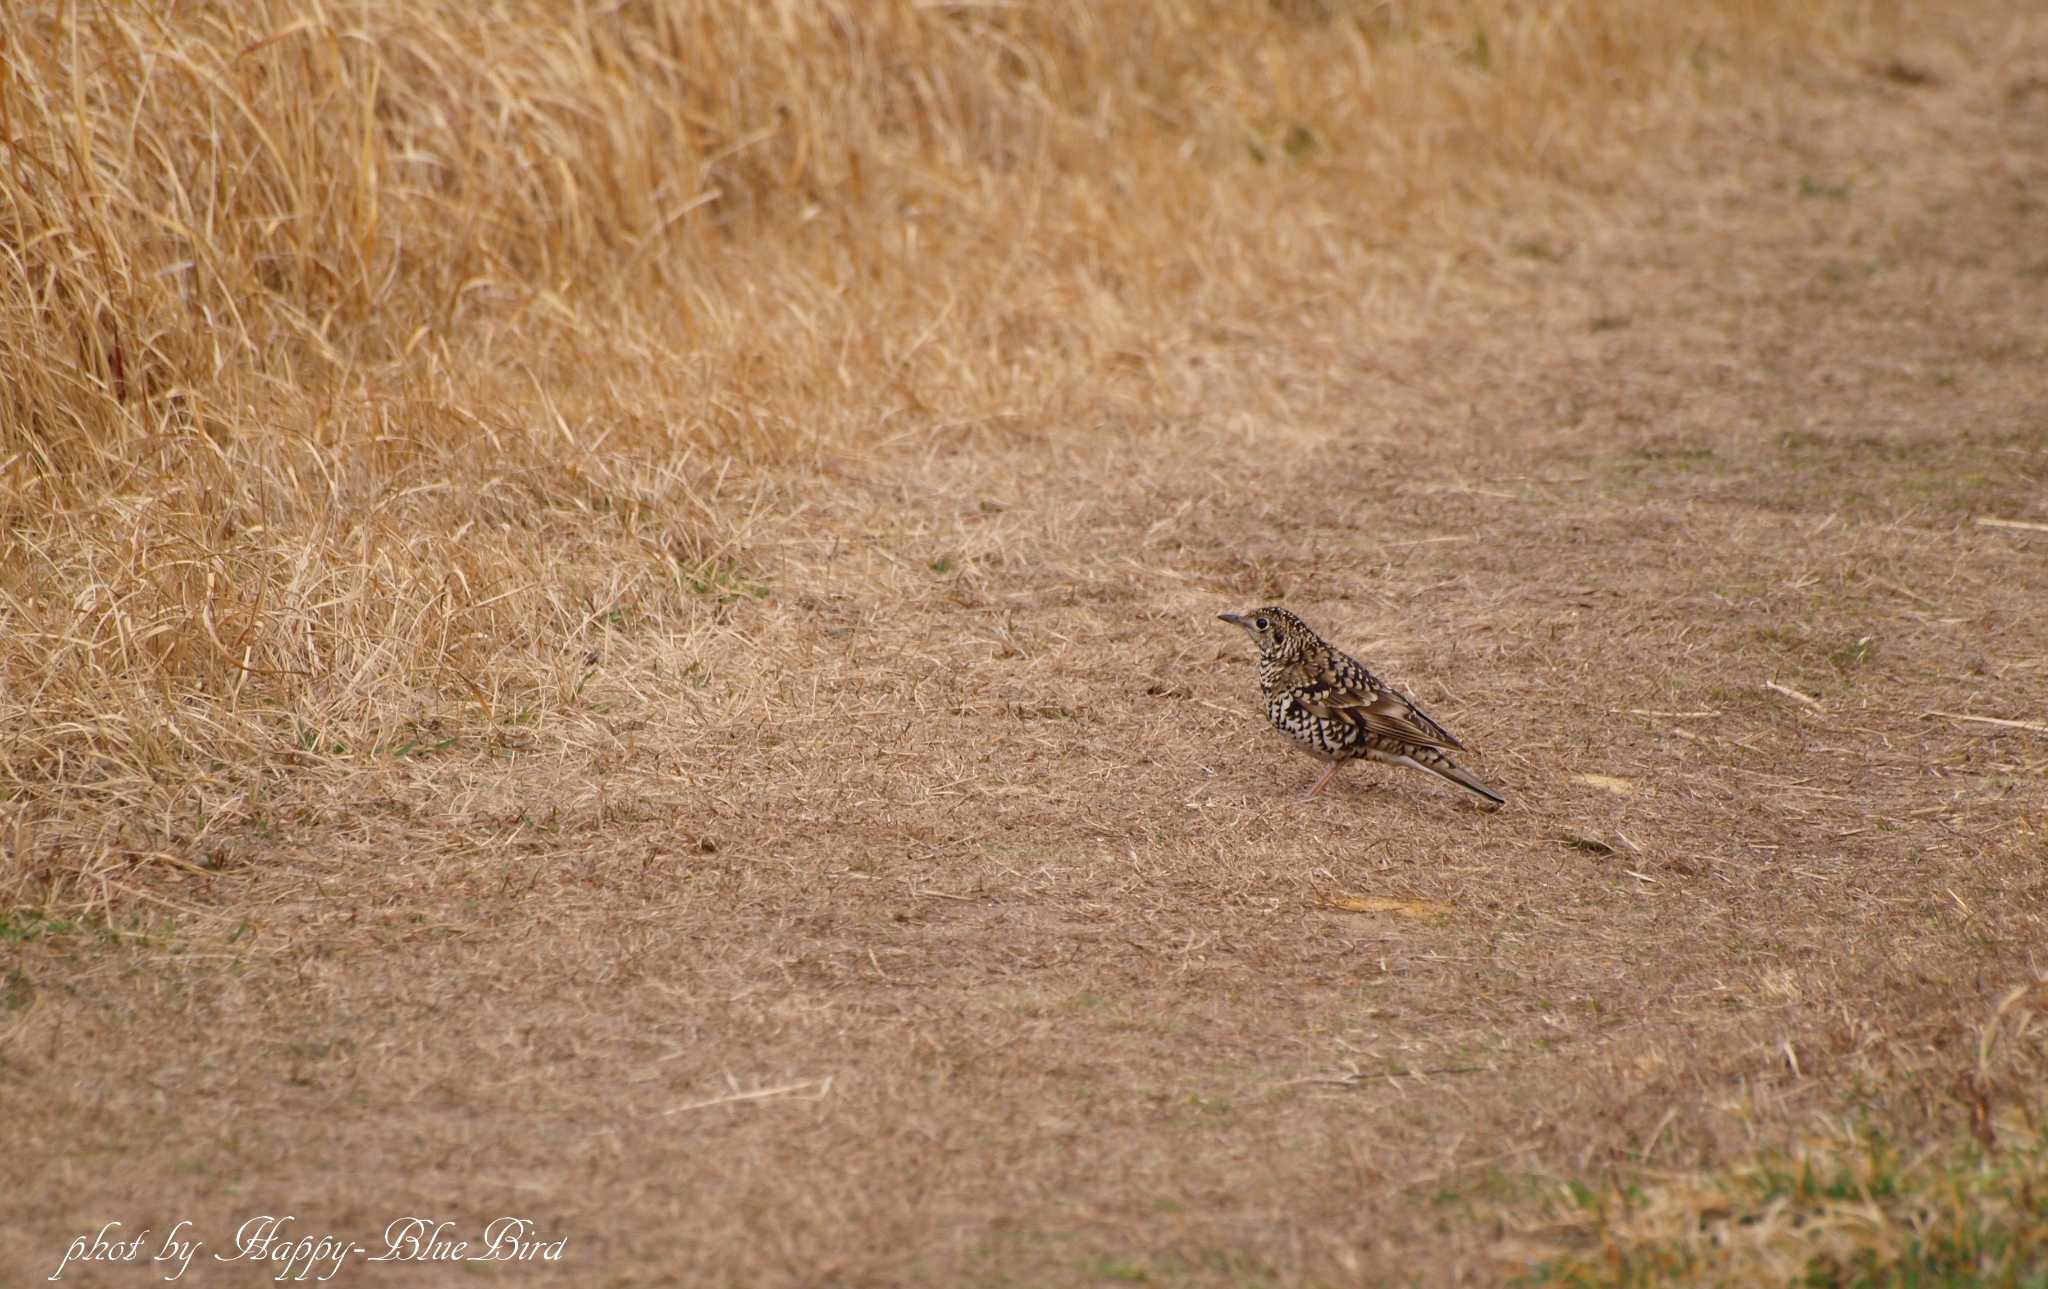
[607, 613]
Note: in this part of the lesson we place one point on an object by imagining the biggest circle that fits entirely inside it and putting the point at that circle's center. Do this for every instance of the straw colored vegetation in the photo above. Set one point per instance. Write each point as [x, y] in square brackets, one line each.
[607, 614]
[1843, 1204]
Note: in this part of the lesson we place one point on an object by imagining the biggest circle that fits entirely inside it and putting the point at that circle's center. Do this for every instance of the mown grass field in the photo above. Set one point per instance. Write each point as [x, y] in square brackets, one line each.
[607, 615]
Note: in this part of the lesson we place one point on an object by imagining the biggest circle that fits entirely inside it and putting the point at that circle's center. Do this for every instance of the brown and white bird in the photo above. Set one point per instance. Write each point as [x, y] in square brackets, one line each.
[1332, 708]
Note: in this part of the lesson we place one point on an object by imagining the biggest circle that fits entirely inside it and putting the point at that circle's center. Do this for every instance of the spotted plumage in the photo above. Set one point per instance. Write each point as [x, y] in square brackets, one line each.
[1331, 707]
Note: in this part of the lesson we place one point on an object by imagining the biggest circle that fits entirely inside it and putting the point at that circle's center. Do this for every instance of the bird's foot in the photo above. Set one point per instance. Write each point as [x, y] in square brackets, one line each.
[1323, 782]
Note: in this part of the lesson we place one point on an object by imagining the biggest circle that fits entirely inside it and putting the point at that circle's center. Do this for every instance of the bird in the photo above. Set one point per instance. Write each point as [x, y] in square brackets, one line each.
[1332, 708]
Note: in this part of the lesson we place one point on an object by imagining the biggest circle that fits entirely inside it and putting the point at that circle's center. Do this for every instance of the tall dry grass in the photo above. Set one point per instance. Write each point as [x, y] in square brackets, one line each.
[362, 357]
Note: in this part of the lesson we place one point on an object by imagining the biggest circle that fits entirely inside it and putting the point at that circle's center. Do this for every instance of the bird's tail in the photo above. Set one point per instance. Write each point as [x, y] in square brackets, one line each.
[1444, 766]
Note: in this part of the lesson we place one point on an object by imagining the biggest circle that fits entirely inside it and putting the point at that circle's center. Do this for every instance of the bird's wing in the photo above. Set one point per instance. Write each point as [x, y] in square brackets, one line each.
[1375, 709]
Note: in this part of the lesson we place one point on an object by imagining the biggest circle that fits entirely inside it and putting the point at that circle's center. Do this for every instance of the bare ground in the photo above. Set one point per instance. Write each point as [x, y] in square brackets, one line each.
[997, 893]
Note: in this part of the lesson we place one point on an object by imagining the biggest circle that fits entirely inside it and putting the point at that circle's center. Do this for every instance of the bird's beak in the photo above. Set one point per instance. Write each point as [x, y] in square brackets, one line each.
[1234, 620]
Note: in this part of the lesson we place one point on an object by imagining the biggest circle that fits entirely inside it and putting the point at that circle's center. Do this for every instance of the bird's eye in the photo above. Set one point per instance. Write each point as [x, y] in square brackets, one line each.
[1263, 624]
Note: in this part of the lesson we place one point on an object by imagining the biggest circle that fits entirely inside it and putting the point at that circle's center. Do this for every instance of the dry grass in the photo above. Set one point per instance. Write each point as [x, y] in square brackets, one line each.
[604, 614]
[326, 328]
[1844, 1204]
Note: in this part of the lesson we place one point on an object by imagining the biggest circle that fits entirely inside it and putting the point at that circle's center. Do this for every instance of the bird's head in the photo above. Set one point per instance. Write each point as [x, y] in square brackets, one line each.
[1278, 633]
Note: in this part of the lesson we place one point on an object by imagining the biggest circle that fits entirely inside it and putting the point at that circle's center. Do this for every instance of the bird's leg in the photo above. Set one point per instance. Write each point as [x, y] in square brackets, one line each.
[1325, 779]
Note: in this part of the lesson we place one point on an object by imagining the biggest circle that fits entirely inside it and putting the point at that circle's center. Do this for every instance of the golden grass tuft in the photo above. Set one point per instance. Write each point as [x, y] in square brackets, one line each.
[1844, 1203]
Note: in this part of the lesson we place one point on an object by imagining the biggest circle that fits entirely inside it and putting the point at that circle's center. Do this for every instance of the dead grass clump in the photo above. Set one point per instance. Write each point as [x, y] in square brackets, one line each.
[203, 195]
[1848, 1205]
[245, 613]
